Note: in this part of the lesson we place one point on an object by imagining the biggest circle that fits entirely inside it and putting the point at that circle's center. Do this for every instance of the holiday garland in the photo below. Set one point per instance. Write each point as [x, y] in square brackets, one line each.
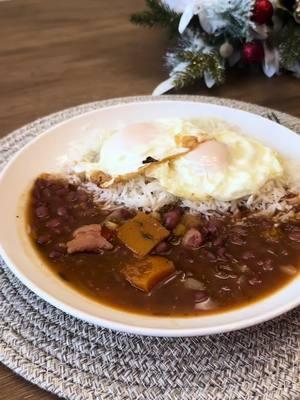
[213, 35]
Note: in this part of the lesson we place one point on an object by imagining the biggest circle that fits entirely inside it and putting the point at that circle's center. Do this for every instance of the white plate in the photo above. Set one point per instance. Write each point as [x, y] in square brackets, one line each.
[42, 155]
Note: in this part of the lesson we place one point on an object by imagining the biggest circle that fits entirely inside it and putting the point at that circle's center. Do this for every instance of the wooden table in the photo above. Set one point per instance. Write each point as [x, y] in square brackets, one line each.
[60, 53]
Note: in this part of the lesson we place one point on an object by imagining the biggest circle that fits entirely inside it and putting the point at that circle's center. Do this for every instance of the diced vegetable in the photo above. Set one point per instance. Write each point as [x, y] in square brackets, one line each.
[145, 273]
[179, 230]
[142, 233]
[191, 220]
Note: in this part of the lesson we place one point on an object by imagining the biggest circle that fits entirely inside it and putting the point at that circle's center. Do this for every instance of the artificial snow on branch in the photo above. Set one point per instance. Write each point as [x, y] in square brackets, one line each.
[216, 34]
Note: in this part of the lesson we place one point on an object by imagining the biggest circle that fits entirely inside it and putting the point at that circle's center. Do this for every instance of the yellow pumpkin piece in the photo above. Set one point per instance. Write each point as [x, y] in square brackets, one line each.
[179, 230]
[145, 273]
[142, 233]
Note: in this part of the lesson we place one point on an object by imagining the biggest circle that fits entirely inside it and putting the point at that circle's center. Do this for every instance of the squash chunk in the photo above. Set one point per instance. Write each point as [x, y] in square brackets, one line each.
[145, 273]
[142, 233]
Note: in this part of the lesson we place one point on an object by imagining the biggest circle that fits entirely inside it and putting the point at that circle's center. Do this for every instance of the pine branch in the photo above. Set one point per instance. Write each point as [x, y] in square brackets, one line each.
[198, 63]
[288, 42]
[157, 15]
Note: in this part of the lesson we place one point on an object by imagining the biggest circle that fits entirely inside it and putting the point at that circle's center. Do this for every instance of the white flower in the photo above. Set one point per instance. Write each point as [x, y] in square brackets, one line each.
[271, 61]
[177, 5]
[190, 42]
[213, 14]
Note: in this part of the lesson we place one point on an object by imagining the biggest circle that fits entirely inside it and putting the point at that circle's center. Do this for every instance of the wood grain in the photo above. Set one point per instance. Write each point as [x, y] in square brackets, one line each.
[60, 53]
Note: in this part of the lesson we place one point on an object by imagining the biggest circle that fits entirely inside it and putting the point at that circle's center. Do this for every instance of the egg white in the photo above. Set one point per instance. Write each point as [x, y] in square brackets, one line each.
[122, 152]
[243, 170]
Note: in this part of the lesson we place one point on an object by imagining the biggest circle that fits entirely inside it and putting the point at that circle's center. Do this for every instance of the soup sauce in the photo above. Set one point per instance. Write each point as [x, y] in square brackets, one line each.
[239, 261]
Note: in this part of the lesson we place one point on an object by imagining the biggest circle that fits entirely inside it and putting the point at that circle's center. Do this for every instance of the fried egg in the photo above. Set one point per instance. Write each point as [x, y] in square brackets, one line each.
[125, 152]
[226, 167]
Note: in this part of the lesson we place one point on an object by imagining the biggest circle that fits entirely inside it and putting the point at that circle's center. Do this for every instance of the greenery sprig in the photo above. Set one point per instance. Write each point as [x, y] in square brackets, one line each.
[158, 15]
[197, 65]
[213, 35]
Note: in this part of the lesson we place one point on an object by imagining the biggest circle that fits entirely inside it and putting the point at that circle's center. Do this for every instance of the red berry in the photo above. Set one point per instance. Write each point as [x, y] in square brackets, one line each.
[263, 11]
[253, 52]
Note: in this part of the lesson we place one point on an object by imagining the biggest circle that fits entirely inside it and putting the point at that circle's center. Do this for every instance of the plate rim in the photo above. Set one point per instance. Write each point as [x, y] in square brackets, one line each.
[166, 332]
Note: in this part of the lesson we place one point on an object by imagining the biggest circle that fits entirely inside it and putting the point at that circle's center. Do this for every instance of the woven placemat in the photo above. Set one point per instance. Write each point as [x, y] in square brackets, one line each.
[80, 361]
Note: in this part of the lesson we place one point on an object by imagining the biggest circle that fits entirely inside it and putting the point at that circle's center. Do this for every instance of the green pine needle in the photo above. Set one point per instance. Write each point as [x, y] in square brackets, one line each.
[198, 64]
[157, 15]
[288, 42]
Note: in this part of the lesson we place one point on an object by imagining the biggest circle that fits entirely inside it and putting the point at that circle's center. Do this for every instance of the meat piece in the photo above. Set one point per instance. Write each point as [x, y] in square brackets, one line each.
[145, 273]
[88, 238]
[192, 239]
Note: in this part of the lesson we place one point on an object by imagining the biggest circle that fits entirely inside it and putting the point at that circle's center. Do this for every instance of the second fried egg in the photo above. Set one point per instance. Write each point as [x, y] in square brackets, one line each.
[226, 167]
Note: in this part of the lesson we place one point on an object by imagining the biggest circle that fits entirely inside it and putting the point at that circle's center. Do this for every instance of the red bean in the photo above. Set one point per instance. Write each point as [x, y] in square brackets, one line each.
[225, 289]
[192, 239]
[72, 196]
[255, 281]
[53, 223]
[56, 186]
[46, 193]
[225, 268]
[172, 218]
[62, 211]
[70, 219]
[294, 236]
[60, 247]
[119, 215]
[267, 265]
[239, 231]
[237, 240]
[62, 192]
[248, 254]
[67, 229]
[200, 296]
[162, 248]
[40, 183]
[213, 225]
[82, 196]
[218, 241]
[55, 255]
[42, 212]
[36, 193]
[211, 256]
[58, 231]
[221, 251]
[222, 275]
[44, 239]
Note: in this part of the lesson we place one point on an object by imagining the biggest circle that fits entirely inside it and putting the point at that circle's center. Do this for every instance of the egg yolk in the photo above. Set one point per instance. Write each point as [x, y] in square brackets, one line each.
[209, 156]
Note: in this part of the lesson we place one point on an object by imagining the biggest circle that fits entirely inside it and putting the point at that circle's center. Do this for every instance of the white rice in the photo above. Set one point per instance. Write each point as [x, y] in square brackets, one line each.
[149, 195]
[136, 193]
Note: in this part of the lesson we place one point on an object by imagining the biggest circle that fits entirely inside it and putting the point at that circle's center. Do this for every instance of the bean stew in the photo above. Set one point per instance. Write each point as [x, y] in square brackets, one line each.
[167, 263]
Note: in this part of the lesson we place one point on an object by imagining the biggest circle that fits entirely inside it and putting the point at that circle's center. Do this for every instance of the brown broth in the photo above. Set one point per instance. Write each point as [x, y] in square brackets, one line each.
[246, 270]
